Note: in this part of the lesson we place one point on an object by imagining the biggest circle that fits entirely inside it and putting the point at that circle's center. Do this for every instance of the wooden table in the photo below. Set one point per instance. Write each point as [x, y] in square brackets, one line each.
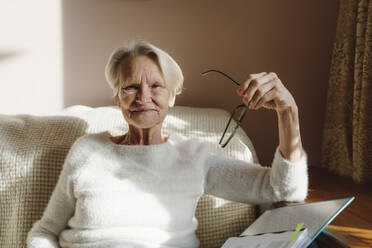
[327, 240]
[353, 226]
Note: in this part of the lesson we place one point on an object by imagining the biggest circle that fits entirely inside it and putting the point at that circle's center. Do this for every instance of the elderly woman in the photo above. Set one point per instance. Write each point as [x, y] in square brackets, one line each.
[140, 189]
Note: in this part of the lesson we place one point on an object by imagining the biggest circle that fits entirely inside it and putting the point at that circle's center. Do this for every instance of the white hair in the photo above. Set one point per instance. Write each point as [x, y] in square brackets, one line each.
[172, 73]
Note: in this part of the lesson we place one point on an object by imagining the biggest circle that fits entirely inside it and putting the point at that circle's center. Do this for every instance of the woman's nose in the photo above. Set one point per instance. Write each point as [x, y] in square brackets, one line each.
[144, 94]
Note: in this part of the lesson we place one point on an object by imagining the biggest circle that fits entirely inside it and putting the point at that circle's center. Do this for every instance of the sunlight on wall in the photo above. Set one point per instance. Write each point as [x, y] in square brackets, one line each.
[30, 56]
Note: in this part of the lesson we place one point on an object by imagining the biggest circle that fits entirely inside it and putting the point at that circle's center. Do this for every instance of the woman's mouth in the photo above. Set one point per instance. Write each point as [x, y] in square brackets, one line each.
[142, 110]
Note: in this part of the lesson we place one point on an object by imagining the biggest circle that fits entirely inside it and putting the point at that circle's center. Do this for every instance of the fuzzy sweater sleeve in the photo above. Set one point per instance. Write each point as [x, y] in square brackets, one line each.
[240, 181]
[44, 232]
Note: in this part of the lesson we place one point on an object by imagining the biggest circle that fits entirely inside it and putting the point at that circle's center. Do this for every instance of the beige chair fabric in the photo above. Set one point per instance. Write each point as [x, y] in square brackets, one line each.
[33, 149]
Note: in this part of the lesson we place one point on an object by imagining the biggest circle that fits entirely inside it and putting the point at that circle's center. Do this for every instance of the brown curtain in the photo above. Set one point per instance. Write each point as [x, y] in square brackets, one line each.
[347, 136]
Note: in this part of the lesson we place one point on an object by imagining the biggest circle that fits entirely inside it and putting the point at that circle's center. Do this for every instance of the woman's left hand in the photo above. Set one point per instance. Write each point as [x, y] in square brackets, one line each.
[266, 90]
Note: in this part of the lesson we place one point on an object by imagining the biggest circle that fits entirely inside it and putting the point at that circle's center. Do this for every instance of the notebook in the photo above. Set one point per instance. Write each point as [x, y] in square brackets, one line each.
[315, 216]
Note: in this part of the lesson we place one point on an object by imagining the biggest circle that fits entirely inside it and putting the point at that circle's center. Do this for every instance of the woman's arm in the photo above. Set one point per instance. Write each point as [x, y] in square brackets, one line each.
[287, 179]
[241, 181]
[60, 208]
[267, 90]
[290, 144]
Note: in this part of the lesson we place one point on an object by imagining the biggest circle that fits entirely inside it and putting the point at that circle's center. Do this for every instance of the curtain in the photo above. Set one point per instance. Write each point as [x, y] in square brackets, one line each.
[347, 133]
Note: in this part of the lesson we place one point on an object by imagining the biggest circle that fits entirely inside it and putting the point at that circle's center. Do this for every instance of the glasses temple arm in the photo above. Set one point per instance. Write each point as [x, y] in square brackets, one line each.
[236, 127]
[206, 72]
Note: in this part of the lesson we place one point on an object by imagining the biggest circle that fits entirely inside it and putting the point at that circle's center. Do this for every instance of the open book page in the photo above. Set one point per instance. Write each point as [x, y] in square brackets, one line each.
[315, 217]
[269, 240]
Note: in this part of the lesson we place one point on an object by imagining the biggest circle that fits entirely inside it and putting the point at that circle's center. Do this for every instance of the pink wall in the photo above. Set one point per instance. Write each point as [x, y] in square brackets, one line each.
[292, 38]
[30, 57]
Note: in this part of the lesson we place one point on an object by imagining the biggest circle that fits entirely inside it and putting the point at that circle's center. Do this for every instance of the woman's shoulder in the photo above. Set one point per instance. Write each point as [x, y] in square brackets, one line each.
[88, 142]
[84, 146]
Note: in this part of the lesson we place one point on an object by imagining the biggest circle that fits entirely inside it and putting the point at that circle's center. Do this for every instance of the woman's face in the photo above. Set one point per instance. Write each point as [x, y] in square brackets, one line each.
[143, 96]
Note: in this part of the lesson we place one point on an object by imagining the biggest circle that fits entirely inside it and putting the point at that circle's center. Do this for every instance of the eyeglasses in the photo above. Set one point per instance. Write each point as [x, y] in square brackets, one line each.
[239, 111]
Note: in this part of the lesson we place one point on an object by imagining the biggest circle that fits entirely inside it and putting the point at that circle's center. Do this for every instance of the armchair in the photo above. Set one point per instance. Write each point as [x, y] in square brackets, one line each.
[33, 149]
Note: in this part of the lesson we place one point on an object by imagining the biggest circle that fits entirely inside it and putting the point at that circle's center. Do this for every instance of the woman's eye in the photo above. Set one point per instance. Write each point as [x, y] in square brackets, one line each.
[154, 86]
[130, 87]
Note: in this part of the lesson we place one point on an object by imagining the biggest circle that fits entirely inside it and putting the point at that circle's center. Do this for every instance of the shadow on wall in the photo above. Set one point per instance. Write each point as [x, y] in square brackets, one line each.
[8, 55]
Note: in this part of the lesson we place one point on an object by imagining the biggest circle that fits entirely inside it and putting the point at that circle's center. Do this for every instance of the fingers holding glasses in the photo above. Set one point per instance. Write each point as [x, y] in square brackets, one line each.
[244, 86]
[260, 93]
[256, 87]
[263, 90]
[267, 100]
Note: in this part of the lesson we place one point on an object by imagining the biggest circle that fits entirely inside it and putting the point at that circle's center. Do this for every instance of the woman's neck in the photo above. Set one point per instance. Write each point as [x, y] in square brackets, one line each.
[142, 136]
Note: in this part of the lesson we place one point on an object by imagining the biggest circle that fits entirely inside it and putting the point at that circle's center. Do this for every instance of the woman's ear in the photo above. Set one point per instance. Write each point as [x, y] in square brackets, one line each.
[117, 101]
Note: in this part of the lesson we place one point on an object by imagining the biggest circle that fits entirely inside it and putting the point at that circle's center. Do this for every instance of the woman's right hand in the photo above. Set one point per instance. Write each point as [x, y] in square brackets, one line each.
[266, 90]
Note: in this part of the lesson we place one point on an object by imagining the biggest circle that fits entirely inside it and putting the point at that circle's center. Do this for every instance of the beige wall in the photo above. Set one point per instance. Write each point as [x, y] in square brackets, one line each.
[290, 37]
[30, 56]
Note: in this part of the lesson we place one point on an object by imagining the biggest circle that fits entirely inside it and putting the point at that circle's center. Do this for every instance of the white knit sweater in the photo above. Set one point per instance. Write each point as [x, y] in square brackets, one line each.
[111, 195]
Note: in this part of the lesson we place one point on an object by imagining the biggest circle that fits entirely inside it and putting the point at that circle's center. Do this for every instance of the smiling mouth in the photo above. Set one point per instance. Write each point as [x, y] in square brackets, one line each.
[143, 110]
